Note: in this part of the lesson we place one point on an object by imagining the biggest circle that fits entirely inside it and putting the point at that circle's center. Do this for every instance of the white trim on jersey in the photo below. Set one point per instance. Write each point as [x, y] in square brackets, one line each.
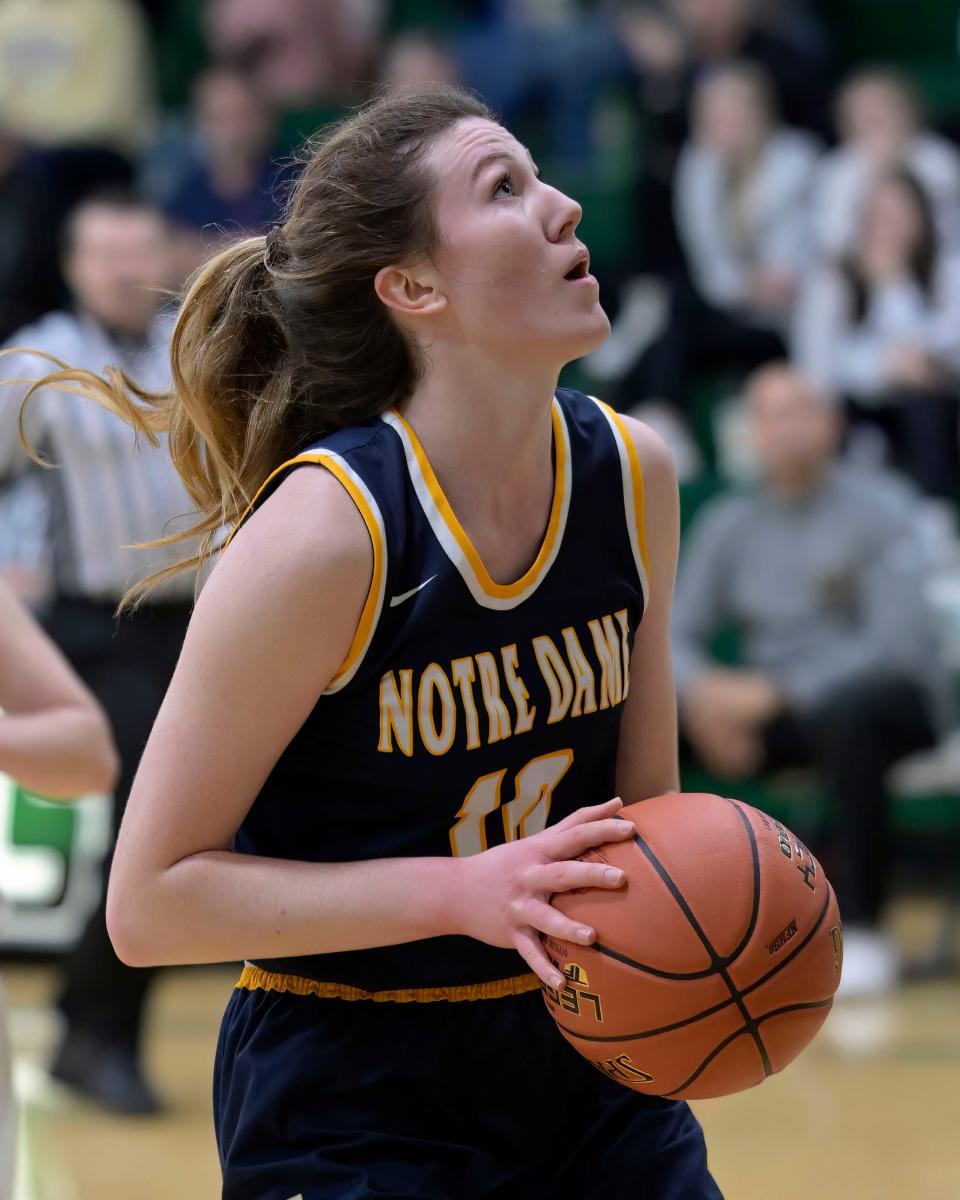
[451, 535]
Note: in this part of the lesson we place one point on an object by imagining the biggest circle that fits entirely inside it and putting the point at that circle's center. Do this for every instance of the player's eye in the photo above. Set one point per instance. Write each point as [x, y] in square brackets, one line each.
[505, 186]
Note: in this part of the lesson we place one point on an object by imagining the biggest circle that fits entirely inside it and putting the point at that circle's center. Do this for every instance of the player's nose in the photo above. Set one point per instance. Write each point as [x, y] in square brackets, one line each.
[565, 216]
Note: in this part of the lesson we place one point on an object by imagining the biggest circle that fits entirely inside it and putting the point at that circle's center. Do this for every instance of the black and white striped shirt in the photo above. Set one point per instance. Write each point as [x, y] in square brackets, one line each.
[108, 491]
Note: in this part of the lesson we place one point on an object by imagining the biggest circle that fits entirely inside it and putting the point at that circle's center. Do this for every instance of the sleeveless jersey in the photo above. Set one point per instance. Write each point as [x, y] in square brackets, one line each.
[467, 712]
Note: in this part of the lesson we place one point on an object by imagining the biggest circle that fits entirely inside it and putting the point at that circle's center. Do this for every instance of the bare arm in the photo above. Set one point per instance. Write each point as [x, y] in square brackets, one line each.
[270, 630]
[647, 756]
[54, 738]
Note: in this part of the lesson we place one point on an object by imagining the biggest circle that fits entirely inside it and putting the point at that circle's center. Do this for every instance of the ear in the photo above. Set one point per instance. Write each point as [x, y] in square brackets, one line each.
[409, 291]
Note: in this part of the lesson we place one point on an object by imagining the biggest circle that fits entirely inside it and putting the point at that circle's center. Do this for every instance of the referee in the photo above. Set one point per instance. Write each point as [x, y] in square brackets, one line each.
[105, 494]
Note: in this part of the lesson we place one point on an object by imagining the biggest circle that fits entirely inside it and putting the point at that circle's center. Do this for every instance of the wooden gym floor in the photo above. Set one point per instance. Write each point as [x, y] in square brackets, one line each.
[870, 1112]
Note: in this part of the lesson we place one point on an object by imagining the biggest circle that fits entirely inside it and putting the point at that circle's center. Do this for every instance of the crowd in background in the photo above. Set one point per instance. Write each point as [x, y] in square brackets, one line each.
[775, 224]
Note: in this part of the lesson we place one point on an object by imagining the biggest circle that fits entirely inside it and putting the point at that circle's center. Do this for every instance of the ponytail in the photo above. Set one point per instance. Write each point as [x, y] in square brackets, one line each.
[225, 414]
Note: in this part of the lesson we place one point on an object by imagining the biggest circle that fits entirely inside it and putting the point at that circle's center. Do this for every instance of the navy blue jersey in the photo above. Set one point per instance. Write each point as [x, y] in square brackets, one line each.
[467, 712]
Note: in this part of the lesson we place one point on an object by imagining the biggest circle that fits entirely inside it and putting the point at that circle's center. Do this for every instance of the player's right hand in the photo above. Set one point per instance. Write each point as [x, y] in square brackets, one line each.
[503, 897]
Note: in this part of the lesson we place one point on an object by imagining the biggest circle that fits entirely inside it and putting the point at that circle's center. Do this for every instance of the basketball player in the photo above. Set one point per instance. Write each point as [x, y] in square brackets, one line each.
[433, 652]
[55, 740]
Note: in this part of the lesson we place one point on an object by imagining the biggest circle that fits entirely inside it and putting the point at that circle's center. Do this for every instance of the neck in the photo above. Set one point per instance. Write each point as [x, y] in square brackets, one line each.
[124, 338]
[798, 483]
[723, 43]
[486, 431]
[233, 175]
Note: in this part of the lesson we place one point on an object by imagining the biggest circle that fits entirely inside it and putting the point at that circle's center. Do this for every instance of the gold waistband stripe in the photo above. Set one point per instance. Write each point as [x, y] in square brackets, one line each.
[254, 978]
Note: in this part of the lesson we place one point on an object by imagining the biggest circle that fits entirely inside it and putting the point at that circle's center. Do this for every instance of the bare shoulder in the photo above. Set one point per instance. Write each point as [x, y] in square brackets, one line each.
[303, 562]
[656, 460]
[309, 527]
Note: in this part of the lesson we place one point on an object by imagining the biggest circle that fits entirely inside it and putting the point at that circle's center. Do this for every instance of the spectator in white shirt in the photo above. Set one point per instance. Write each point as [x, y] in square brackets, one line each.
[879, 120]
[742, 200]
[881, 329]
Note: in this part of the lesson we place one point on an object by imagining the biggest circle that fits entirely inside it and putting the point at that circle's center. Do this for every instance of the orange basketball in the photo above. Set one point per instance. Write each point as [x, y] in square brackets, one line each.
[714, 965]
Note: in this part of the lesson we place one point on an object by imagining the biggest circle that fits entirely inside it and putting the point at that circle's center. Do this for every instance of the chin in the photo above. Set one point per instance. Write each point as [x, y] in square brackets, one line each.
[588, 337]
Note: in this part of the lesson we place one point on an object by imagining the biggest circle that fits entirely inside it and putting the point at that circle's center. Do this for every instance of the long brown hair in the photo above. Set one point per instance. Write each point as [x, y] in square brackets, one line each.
[924, 256]
[281, 339]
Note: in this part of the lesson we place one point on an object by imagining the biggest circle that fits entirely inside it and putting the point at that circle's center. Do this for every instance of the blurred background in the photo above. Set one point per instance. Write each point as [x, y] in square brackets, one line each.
[771, 198]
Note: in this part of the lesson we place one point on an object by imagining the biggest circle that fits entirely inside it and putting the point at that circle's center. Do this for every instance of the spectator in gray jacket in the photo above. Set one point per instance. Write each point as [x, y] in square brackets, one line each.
[816, 574]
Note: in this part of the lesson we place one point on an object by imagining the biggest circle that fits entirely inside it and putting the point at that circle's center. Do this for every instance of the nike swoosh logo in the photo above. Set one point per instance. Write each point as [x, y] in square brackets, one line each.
[413, 591]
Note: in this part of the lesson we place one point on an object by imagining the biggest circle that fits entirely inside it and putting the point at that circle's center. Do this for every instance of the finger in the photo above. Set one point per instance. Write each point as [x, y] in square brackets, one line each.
[531, 950]
[573, 842]
[592, 813]
[565, 876]
[549, 920]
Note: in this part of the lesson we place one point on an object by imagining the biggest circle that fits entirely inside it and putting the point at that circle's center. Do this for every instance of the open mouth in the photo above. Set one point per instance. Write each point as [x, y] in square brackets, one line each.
[580, 271]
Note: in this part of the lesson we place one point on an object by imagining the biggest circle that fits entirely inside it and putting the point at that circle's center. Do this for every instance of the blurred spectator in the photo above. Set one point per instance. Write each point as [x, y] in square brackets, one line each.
[228, 181]
[816, 573]
[25, 539]
[882, 330]
[298, 52]
[671, 42]
[38, 187]
[75, 71]
[879, 120]
[543, 67]
[106, 494]
[742, 195]
[669, 45]
[411, 59]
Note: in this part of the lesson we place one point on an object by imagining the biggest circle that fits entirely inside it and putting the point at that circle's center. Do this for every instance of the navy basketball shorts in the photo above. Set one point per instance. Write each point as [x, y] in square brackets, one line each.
[317, 1098]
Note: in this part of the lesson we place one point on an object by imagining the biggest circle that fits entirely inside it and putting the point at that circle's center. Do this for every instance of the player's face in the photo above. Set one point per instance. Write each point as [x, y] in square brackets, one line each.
[514, 274]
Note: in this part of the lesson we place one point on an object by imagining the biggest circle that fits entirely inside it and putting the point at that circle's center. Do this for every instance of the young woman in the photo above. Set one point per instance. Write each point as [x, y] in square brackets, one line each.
[881, 330]
[55, 740]
[742, 191]
[414, 682]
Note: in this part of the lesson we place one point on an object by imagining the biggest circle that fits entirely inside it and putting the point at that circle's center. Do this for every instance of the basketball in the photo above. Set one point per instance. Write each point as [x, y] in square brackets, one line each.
[716, 962]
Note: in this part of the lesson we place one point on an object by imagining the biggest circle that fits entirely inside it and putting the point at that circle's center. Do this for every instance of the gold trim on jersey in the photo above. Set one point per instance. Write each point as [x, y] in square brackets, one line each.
[360, 494]
[451, 534]
[255, 979]
[633, 498]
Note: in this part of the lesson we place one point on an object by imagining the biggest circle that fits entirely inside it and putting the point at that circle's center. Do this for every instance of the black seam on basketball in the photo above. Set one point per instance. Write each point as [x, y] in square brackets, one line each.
[776, 1012]
[718, 1049]
[647, 969]
[751, 926]
[719, 964]
[749, 1022]
[679, 897]
[797, 949]
[647, 1033]
[708, 1012]
[732, 1037]
[755, 857]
